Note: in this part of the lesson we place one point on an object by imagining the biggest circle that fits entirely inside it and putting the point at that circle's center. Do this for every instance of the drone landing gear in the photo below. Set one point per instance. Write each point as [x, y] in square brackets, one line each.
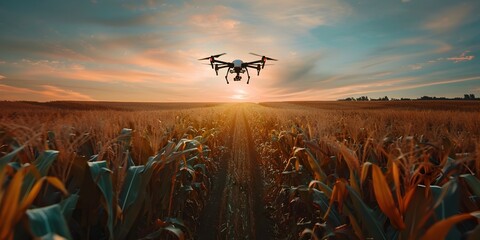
[248, 80]
[226, 76]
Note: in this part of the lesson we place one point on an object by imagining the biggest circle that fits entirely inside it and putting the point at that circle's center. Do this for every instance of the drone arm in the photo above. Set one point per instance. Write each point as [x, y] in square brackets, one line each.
[256, 68]
[254, 62]
[218, 61]
[222, 66]
[218, 67]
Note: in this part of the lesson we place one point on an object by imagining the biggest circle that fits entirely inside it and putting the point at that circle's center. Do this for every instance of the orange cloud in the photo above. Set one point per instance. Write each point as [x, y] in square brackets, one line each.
[217, 19]
[388, 86]
[462, 57]
[449, 19]
[56, 69]
[46, 93]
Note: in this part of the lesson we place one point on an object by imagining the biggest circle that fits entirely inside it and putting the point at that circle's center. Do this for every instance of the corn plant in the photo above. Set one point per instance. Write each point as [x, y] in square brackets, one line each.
[117, 189]
[351, 185]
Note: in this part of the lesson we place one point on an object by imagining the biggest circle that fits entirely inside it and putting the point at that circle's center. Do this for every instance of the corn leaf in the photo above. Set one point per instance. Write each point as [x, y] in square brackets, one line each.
[364, 215]
[384, 198]
[45, 160]
[11, 199]
[322, 201]
[133, 196]
[396, 180]
[101, 176]
[7, 158]
[48, 221]
[473, 183]
[321, 186]
[131, 186]
[440, 229]
[30, 197]
[364, 173]
[350, 158]
[42, 165]
[315, 165]
[68, 205]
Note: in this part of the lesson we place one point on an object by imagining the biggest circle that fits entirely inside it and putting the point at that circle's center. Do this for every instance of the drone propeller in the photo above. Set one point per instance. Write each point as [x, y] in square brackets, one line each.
[213, 56]
[264, 59]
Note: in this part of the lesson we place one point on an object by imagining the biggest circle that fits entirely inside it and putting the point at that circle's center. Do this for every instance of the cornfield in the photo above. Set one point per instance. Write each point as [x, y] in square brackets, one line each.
[72, 170]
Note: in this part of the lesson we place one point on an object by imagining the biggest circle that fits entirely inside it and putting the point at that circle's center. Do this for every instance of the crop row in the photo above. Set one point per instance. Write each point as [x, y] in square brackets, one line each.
[84, 183]
[344, 175]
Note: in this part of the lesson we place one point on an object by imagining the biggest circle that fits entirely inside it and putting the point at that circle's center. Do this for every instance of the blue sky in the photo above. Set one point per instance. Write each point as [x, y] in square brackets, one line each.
[148, 50]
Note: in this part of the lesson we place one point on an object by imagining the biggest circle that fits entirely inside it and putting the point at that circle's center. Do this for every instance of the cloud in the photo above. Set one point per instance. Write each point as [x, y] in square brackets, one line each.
[2, 77]
[448, 19]
[43, 49]
[409, 46]
[442, 82]
[45, 93]
[416, 66]
[146, 50]
[159, 41]
[385, 86]
[462, 57]
[148, 66]
[62, 94]
[217, 20]
[304, 14]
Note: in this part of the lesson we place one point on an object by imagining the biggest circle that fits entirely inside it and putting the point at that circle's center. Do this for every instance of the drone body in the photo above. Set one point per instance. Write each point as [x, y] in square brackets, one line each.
[237, 66]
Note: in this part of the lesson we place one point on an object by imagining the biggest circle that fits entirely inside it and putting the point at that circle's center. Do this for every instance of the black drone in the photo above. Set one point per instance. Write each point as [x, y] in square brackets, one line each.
[237, 66]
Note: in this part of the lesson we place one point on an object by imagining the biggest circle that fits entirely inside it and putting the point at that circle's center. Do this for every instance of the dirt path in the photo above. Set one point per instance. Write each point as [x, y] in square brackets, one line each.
[235, 209]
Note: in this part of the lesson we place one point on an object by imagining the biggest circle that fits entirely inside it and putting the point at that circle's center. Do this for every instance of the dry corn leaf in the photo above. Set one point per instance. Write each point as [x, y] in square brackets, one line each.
[440, 229]
[385, 199]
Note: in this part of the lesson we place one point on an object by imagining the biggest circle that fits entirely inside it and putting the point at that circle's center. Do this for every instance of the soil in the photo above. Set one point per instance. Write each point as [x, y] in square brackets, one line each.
[235, 209]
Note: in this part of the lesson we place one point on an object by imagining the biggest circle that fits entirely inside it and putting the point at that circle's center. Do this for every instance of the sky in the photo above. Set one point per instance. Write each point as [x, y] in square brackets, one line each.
[147, 50]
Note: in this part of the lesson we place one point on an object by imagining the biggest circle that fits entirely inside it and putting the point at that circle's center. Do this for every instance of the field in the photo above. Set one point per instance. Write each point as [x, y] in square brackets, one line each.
[290, 170]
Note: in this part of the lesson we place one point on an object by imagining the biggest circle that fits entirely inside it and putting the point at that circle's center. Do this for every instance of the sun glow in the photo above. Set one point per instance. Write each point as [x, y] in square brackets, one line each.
[240, 94]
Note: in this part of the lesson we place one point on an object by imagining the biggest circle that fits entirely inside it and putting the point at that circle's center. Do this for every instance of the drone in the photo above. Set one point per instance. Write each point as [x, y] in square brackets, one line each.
[237, 66]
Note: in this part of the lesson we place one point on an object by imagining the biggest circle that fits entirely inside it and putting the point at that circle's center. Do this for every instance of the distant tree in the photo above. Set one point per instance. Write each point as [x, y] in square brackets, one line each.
[347, 99]
[426, 98]
[362, 98]
[468, 96]
[365, 98]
